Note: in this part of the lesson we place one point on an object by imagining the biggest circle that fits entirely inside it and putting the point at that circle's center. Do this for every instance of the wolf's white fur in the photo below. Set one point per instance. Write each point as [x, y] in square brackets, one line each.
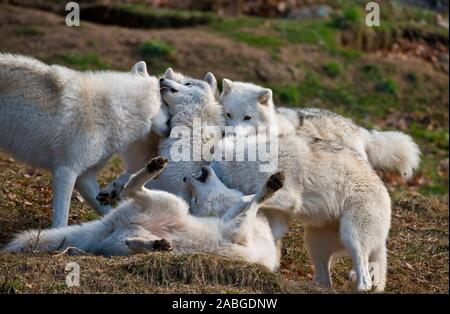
[71, 122]
[149, 215]
[337, 196]
[384, 150]
[198, 100]
[187, 99]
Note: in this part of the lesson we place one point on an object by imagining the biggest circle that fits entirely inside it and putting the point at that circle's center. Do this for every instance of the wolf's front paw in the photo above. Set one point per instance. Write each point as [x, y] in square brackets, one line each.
[162, 245]
[157, 163]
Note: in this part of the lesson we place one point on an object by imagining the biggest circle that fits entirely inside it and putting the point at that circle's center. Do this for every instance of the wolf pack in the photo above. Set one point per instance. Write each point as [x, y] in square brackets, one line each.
[71, 123]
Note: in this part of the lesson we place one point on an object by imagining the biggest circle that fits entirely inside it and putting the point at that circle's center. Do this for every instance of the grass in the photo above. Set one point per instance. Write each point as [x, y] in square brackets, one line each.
[80, 61]
[264, 41]
[418, 252]
[159, 54]
[30, 30]
[143, 273]
[332, 69]
[388, 86]
[156, 49]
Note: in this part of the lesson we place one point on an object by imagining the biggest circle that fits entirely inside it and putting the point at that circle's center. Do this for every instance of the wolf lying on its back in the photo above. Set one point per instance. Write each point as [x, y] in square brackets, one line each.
[246, 104]
[155, 220]
[72, 122]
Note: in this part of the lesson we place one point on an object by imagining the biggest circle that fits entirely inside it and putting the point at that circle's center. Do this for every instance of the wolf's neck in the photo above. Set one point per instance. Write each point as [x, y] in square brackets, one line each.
[199, 117]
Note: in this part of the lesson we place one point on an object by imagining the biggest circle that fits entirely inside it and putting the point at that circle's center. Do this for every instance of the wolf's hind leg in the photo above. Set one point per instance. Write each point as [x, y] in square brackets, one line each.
[378, 268]
[353, 239]
[246, 215]
[63, 182]
[273, 184]
[88, 187]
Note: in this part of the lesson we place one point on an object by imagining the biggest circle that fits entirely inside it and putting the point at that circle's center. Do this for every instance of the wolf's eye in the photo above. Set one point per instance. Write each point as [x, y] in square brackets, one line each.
[187, 84]
[229, 115]
[247, 118]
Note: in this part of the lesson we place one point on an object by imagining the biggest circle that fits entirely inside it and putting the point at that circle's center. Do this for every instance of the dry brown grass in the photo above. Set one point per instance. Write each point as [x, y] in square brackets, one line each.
[151, 273]
[418, 251]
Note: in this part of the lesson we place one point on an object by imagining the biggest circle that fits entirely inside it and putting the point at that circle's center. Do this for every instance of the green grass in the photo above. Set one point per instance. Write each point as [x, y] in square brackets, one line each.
[332, 69]
[264, 41]
[156, 49]
[286, 94]
[350, 16]
[83, 61]
[388, 86]
[30, 30]
[159, 54]
[282, 32]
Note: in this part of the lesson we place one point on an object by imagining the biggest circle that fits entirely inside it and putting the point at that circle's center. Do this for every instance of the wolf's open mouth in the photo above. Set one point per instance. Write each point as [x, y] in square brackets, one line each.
[202, 176]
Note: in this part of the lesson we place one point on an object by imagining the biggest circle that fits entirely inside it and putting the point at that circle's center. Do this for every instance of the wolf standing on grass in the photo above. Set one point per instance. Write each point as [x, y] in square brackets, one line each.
[71, 122]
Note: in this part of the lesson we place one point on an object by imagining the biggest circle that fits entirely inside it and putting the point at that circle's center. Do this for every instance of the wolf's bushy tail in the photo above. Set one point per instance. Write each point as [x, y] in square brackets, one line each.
[83, 236]
[391, 150]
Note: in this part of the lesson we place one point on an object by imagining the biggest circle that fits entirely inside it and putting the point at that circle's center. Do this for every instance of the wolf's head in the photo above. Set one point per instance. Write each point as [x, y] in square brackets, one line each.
[247, 105]
[210, 197]
[190, 98]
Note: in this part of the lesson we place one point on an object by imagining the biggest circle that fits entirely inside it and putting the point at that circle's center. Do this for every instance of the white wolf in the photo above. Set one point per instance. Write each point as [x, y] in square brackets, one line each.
[156, 220]
[334, 192]
[187, 100]
[71, 122]
[246, 104]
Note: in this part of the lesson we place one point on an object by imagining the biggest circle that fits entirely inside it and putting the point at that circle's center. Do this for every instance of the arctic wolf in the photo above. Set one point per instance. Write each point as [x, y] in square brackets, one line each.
[186, 99]
[246, 104]
[335, 193]
[71, 122]
[150, 220]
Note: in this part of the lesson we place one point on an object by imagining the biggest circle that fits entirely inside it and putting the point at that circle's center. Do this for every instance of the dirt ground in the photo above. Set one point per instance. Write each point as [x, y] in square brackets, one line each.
[418, 244]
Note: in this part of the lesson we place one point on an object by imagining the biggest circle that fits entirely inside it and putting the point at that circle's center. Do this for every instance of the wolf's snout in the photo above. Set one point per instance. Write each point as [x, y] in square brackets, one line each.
[161, 80]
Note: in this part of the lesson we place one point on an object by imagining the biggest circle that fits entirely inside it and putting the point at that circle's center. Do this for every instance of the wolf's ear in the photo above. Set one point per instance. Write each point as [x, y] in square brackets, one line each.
[169, 74]
[265, 96]
[211, 80]
[227, 86]
[140, 68]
